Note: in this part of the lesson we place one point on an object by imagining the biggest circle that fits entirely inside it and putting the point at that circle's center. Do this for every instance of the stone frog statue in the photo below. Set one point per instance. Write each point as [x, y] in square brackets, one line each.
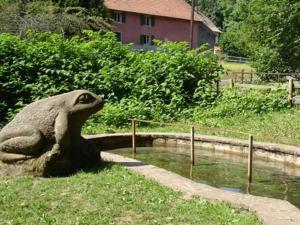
[44, 138]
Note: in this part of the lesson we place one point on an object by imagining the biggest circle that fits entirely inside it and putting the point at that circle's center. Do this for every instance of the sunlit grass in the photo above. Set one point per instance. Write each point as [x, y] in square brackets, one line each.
[107, 195]
[236, 66]
[278, 127]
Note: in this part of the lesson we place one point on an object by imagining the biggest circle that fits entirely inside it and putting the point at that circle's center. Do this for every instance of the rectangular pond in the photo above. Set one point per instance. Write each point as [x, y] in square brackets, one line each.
[225, 171]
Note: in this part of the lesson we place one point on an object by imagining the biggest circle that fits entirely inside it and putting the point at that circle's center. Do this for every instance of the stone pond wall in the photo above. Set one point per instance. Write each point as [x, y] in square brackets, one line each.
[266, 151]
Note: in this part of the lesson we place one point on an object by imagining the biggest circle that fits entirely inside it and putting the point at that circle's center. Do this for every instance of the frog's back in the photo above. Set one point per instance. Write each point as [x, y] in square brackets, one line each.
[40, 115]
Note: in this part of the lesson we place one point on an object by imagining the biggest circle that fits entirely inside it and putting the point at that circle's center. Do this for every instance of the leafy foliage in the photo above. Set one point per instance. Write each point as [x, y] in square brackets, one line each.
[229, 104]
[275, 34]
[265, 30]
[236, 102]
[219, 11]
[17, 17]
[95, 7]
[235, 41]
[166, 80]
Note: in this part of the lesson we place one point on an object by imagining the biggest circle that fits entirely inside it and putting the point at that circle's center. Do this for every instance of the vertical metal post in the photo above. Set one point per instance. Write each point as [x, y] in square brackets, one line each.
[248, 188]
[250, 158]
[191, 171]
[192, 24]
[291, 91]
[133, 125]
[193, 146]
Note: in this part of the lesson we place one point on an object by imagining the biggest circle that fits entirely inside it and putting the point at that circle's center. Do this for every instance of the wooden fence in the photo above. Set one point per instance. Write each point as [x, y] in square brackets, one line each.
[243, 76]
[252, 80]
[234, 59]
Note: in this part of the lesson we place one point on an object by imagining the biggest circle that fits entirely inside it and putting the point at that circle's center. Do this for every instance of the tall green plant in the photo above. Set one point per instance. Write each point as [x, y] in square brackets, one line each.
[42, 64]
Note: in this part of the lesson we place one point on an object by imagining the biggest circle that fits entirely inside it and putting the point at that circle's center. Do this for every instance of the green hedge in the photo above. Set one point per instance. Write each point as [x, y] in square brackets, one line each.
[169, 79]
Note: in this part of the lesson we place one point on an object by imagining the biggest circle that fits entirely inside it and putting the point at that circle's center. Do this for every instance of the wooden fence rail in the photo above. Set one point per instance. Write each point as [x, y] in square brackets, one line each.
[242, 75]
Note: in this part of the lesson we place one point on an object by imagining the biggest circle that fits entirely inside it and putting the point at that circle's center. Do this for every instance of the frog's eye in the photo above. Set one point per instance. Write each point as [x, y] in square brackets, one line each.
[85, 99]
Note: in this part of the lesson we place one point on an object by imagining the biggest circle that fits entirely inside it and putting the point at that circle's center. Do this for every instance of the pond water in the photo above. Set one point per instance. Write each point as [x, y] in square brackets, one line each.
[225, 171]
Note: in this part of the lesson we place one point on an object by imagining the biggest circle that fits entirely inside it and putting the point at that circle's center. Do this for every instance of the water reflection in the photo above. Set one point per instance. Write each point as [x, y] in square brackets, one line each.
[226, 171]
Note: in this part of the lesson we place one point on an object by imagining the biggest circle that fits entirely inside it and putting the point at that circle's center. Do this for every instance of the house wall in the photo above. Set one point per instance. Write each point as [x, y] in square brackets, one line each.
[165, 29]
[206, 36]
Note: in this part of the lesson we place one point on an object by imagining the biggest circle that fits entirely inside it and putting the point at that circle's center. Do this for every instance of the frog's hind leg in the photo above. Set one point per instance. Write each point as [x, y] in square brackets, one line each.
[11, 158]
[20, 144]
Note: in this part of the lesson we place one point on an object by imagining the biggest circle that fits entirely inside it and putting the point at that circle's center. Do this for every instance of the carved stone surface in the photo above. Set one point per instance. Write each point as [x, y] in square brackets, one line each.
[44, 138]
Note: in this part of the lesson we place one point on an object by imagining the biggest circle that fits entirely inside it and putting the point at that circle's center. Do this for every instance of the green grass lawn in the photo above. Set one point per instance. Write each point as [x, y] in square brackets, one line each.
[229, 66]
[107, 195]
[236, 66]
[278, 127]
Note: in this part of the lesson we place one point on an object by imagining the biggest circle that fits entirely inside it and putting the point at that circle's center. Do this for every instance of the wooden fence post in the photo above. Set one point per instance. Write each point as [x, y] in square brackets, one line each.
[250, 158]
[235, 76]
[133, 125]
[218, 87]
[242, 76]
[193, 146]
[231, 83]
[291, 91]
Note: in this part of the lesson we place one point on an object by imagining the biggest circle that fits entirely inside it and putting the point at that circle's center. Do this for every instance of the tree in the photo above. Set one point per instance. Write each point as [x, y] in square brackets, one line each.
[19, 16]
[94, 7]
[265, 30]
[274, 34]
[219, 11]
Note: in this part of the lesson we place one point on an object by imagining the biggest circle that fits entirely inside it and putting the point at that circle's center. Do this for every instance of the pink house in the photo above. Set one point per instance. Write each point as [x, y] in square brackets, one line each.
[141, 21]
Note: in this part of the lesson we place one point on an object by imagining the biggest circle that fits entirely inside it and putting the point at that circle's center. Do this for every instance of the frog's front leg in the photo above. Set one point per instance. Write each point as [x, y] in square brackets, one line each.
[62, 139]
[21, 144]
[56, 161]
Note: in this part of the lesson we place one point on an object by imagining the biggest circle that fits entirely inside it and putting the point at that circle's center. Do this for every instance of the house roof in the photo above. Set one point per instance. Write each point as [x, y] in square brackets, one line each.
[209, 23]
[167, 8]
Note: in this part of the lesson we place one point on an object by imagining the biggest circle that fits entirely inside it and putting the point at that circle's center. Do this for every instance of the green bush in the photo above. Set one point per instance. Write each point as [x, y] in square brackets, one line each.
[163, 82]
[235, 102]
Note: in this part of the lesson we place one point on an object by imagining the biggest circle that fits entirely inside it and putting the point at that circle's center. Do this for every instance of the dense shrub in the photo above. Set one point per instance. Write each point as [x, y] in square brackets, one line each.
[235, 102]
[164, 81]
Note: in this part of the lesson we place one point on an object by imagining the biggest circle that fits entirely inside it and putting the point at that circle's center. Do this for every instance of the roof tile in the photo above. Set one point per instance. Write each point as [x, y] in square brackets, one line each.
[167, 8]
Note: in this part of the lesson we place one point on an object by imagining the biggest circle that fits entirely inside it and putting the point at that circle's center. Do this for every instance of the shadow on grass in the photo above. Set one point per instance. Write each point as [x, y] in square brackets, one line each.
[97, 168]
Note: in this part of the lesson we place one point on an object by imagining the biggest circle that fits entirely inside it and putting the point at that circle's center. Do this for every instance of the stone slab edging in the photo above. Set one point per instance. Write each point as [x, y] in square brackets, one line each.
[278, 152]
[269, 211]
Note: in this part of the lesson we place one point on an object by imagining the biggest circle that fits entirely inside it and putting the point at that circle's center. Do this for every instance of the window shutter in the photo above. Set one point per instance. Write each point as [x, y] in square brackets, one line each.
[113, 16]
[119, 36]
[123, 17]
[152, 21]
[142, 20]
[142, 39]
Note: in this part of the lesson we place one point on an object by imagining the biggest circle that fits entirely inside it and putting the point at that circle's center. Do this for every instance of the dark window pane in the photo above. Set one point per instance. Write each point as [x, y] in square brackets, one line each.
[119, 36]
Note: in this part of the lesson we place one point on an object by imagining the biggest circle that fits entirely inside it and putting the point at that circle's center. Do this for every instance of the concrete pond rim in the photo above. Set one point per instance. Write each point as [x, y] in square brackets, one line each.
[268, 210]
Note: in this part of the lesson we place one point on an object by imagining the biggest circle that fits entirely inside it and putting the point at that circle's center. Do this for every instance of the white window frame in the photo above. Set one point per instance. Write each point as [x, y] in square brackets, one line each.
[148, 21]
[118, 17]
[148, 39]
